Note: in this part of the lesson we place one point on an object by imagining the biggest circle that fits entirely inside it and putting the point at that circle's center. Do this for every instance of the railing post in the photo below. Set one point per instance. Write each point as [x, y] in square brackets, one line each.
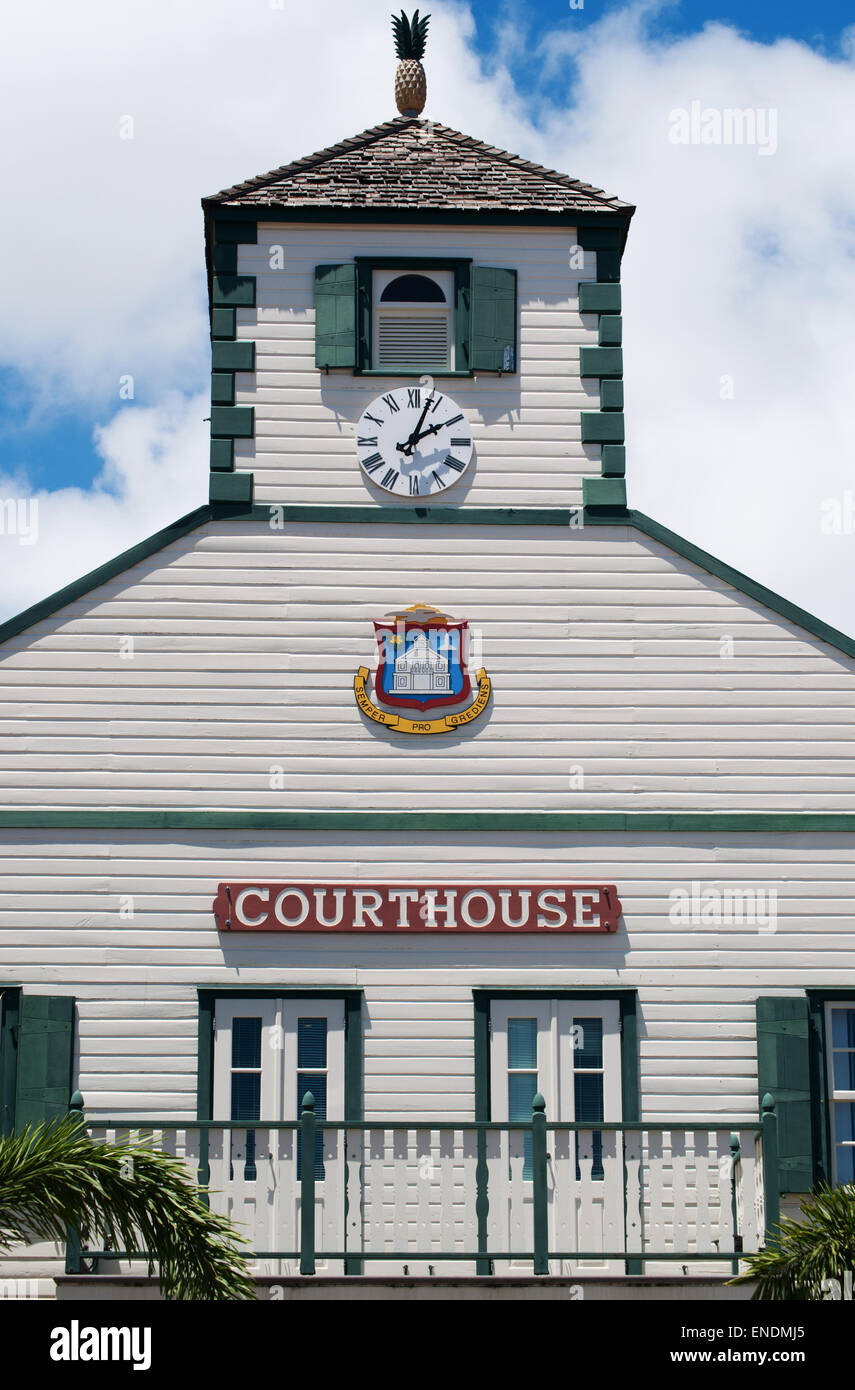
[735, 1156]
[539, 1193]
[307, 1185]
[483, 1265]
[72, 1237]
[771, 1174]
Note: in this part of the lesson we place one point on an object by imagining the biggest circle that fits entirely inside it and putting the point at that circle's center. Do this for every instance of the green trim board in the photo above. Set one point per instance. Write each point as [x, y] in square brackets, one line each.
[10, 1008]
[593, 230]
[476, 822]
[229, 290]
[238, 509]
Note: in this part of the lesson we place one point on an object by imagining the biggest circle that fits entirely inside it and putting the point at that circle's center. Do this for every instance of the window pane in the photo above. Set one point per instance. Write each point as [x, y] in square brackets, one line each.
[412, 289]
[246, 1096]
[522, 1089]
[522, 1042]
[844, 1071]
[588, 1087]
[846, 1165]
[246, 1042]
[843, 1027]
[311, 1043]
[316, 1083]
[844, 1121]
[588, 1042]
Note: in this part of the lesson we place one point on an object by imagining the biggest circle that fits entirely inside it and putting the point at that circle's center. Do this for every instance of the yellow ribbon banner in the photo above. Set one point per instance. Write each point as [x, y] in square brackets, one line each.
[402, 725]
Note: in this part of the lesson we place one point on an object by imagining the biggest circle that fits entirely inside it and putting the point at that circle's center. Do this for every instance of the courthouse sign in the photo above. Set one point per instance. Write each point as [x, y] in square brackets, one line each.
[388, 907]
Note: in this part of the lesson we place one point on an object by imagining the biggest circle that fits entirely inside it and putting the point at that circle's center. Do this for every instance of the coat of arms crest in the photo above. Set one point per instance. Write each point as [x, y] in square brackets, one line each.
[422, 665]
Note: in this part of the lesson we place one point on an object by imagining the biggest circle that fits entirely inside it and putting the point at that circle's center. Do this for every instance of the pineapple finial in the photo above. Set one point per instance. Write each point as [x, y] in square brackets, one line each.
[410, 81]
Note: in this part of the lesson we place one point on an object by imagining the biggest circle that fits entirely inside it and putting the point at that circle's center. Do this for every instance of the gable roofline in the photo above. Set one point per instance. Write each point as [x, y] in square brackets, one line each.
[233, 197]
[488, 516]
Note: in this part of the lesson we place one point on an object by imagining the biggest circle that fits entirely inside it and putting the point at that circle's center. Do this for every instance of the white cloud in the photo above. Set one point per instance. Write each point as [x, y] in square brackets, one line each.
[155, 461]
[738, 265]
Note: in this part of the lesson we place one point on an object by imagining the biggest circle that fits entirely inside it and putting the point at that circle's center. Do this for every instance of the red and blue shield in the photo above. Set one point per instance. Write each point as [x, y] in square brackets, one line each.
[422, 659]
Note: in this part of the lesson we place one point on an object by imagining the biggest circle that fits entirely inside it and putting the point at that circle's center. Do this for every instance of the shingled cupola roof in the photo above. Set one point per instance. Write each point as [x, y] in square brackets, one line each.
[409, 163]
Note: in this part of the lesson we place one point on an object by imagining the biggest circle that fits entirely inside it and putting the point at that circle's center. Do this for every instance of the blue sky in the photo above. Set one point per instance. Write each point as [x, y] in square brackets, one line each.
[737, 267]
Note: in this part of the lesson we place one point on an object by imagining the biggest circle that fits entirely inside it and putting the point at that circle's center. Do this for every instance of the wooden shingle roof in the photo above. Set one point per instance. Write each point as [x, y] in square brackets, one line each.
[413, 163]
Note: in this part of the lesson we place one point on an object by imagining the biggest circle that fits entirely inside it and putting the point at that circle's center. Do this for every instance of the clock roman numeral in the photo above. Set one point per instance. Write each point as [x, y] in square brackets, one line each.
[390, 478]
[414, 485]
[456, 443]
[414, 398]
[438, 478]
[437, 402]
[393, 404]
[370, 442]
[455, 420]
[373, 463]
[454, 463]
[373, 419]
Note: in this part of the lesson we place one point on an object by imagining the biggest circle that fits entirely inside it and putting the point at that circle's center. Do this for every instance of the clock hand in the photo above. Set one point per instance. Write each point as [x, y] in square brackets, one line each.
[414, 439]
[407, 448]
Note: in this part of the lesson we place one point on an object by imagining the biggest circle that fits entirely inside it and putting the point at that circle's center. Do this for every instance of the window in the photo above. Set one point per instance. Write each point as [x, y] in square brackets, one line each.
[413, 319]
[407, 318]
[840, 1034]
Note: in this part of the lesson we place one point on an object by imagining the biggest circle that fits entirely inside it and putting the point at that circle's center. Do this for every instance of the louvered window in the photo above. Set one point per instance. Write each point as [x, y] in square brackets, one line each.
[413, 319]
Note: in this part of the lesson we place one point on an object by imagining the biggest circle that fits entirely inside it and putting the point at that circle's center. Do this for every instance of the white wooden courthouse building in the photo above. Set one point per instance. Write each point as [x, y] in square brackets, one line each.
[417, 774]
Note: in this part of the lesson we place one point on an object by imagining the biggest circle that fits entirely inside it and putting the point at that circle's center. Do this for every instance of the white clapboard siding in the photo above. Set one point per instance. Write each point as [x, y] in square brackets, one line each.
[609, 687]
[135, 978]
[526, 426]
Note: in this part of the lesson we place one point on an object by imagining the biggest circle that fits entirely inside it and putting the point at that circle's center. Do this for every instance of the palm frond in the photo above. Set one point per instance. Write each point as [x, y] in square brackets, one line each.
[128, 1196]
[803, 1254]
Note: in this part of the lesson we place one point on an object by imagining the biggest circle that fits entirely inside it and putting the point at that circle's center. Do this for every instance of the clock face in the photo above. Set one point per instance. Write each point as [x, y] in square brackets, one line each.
[414, 442]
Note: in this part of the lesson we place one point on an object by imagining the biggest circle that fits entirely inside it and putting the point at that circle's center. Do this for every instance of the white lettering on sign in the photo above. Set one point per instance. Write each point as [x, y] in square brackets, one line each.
[468, 907]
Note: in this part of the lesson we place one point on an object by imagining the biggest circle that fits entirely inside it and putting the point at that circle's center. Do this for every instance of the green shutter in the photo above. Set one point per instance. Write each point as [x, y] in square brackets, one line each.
[494, 319]
[45, 1041]
[335, 315]
[783, 1069]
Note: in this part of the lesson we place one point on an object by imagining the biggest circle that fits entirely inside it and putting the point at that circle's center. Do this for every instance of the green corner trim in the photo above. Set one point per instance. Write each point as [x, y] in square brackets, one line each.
[223, 323]
[604, 492]
[234, 290]
[229, 509]
[222, 388]
[234, 356]
[601, 361]
[611, 330]
[231, 487]
[475, 822]
[613, 461]
[602, 427]
[234, 421]
[222, 455]
[611, 395]
[598, 298]
[224, 258]
[235, 231]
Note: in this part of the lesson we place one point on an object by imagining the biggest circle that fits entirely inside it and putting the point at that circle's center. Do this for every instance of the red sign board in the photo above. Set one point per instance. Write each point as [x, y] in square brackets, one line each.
[437, 908]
